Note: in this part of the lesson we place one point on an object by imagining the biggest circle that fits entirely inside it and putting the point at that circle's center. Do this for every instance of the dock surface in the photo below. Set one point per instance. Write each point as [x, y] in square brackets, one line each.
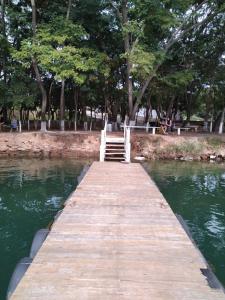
[117, 238]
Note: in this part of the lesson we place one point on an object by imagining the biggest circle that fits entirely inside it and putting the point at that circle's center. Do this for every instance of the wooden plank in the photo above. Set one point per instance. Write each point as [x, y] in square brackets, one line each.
[117, 238]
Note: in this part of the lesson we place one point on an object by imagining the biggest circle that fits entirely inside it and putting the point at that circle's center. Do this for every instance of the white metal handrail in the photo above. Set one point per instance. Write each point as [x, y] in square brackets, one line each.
[127, 144]
[103, 140]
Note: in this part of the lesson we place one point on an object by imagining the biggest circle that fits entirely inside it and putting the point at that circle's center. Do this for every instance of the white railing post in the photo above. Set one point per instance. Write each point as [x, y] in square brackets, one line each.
[20, 126]
[124, 130]
[103, 140]
[106, 122]
[153, 130]
[127, 145]
[102, 146]
[211, 125]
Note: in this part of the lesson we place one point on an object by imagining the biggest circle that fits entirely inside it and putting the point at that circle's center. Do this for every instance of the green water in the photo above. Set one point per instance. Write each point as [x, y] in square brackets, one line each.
[31, 192]
[196, 191]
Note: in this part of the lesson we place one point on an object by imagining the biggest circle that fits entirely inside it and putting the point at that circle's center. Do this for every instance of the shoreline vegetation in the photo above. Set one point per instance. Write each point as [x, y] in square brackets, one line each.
[188, 147]
[199, 147]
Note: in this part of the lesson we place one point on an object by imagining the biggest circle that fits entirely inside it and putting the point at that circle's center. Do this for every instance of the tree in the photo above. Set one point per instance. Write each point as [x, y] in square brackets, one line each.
[36, 70]
[169, 22]
[114, 56]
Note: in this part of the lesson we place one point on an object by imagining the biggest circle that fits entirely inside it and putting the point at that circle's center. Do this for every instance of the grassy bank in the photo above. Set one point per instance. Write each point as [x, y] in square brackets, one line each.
[198, 147]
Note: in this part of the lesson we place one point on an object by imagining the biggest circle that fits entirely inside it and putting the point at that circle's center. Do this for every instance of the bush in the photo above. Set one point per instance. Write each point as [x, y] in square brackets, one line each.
[215, 142]
[186, 148]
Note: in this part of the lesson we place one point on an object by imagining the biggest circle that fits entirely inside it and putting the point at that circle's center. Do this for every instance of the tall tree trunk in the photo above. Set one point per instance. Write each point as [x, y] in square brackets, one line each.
[50, 100]
[142, 92]
[62, 96]
[4, 113]
[43, 93]
[4, 58]
[211, 123]
[21, 113]
[148, 109]
[3, 16]
[208, 102]
[68, 9]
[170, 107]
[127, 47]
[34, 17]
[106, 101]
[222, 121]
[75, 108]
[37, 72]
[3, 30]
[159, 109]
[188, 108]
[62, 106]
[50, 104]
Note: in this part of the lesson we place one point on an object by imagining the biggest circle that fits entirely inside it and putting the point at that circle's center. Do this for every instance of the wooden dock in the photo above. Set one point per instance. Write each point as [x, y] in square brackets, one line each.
[117, 238]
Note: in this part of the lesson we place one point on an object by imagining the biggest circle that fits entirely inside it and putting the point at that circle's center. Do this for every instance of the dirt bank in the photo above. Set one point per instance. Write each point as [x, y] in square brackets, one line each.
[86, 145]
[50, 144]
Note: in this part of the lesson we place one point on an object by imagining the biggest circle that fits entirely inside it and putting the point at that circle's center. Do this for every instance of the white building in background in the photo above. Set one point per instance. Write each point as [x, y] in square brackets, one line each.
[141, 114]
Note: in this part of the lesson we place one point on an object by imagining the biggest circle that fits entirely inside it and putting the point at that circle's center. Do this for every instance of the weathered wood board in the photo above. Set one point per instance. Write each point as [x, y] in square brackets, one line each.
[117, 238]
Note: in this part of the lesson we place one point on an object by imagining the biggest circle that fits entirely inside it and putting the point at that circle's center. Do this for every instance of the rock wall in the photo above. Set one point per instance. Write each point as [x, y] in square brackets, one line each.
[50, 144]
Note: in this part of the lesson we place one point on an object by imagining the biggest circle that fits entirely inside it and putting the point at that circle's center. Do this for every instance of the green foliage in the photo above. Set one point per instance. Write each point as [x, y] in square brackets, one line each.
[21, 91]
[133, 27]
[88, 51]
[178, 79]
[57, 49]
[185, 148]
[60, 32]
[215, 142]
[142, 62]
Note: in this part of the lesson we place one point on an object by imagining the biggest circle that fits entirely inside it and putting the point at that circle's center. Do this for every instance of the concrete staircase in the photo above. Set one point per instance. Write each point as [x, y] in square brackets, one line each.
[115, 149]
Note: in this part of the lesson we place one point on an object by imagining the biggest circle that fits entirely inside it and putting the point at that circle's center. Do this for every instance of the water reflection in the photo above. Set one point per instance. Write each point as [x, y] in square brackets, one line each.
[31, 192]
[196, 191]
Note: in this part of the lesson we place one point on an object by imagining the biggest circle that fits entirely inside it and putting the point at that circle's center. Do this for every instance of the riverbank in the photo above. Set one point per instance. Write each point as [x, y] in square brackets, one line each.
[50, 144]
[86, 145]
[187, 147]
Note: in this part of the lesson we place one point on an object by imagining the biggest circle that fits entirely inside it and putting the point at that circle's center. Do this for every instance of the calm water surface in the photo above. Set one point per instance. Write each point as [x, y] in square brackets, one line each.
[196, 191]
[31, 192]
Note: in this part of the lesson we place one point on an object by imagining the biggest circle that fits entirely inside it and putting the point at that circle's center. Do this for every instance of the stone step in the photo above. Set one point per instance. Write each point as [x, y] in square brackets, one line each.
[115, 153]
[114, 149]
[114, 140]
[115, 158]
[115, 145]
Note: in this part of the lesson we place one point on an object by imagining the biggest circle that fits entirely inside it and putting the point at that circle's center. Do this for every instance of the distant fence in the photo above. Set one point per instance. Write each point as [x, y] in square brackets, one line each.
[35, 125]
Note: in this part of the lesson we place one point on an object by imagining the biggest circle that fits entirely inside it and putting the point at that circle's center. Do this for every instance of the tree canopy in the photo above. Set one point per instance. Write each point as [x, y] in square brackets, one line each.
[61, 57]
